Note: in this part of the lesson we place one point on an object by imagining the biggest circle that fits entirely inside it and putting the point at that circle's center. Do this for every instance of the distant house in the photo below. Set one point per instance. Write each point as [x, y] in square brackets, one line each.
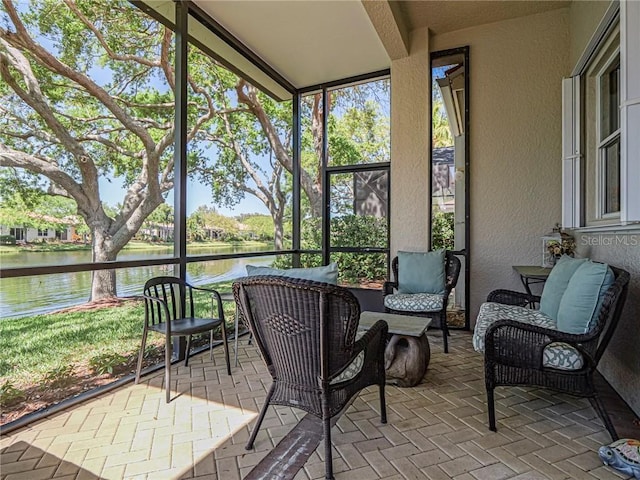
[443, 182]
[157, 232]
[64, 230]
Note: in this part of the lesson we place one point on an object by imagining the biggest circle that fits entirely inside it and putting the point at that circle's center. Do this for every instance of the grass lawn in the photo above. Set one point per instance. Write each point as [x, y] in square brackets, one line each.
[57, 349]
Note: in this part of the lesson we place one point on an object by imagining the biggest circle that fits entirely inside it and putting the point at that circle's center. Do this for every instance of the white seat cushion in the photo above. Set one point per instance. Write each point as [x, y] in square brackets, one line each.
[556, 355]
[414, 302]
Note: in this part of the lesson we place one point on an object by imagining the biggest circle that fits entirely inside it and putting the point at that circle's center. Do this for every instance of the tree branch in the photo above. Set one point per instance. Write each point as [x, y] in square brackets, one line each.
[47, 167]
[22, 39]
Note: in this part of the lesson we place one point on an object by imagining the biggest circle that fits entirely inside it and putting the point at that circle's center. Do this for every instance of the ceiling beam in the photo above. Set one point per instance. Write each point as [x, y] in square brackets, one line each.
[390, 27]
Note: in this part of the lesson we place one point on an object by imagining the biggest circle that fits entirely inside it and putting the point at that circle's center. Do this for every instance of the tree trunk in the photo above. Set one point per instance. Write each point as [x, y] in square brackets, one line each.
[278, 234]
[103, 282]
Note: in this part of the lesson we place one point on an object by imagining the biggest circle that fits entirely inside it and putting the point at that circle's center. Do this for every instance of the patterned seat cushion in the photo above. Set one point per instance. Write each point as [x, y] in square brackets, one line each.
[556, 355]
[351, 371]
[414, 302]
[562, 356]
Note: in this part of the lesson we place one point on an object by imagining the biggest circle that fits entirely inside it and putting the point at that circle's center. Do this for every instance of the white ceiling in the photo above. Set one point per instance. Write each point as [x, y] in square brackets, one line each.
[311, 42]
[307, 42]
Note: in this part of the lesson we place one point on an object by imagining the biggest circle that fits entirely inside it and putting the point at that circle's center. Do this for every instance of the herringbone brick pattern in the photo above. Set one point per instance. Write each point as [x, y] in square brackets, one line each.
[436, 430]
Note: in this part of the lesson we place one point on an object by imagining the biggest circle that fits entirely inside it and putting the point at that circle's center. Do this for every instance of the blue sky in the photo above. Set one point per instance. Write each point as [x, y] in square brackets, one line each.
[112, 193]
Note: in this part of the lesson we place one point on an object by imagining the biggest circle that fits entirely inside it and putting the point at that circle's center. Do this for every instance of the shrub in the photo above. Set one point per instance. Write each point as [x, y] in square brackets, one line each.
[348, 231]
[7, 240]
[106, 362]
[10, 395]
[442, 230]
[59, 377]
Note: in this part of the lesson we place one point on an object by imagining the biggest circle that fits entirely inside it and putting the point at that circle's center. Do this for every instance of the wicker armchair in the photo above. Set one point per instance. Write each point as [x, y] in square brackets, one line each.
[306, 333]
[513, 350]
[452, 272]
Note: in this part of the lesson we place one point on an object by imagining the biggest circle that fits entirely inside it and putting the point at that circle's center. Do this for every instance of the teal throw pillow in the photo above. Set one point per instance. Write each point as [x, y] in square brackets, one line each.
[325, 274]
[583, 296]
[421, 272]
[557, 283]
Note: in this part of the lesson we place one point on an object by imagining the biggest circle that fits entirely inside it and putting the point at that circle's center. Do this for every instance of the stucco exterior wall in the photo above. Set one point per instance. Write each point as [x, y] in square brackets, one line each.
[621, 361]
[515, 72]
[410, 117]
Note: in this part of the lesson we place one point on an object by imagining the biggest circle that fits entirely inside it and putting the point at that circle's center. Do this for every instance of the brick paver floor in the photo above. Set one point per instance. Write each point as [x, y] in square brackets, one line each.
[436, 430]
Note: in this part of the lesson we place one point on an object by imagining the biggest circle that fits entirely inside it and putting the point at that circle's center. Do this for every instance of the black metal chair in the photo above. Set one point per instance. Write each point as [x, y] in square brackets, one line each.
[514, 350]
[170, 310]
[306, 333]
[452, 272]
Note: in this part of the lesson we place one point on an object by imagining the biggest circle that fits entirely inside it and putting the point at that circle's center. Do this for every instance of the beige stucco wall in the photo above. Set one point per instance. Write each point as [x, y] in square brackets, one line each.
[410, 117]
[515, 72]
[621, 361]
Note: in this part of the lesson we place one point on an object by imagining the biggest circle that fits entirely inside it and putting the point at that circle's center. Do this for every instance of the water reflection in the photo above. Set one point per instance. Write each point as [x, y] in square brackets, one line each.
[26, 296]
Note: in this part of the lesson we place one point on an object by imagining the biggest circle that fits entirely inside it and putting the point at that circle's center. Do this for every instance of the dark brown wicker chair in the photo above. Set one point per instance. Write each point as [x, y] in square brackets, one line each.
[169, 309]
[306, 333]
[514, 350]
[452, 272]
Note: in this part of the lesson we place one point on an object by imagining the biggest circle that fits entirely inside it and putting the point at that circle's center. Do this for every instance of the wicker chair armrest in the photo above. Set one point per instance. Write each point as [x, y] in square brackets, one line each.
[521, 344]
[377, 332]
[511, 297]
[517, 344]
[372, 343]
[388, 287]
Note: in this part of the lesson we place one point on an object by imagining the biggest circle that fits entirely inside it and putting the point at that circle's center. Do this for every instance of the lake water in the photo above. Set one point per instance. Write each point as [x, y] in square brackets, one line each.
[26, 296]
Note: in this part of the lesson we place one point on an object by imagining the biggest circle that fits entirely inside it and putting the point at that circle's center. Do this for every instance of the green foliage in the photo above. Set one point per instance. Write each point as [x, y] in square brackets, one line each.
[59, 377]
[359, 231]
[205, 221]
[7, 240]
[10, 395]
[112, 97]
[441, 130]
[442, 230]
[349, 231]
[106, 362]
[260, 225]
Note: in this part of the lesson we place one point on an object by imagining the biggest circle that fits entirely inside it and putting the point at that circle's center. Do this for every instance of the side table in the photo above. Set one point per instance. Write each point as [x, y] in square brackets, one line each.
[531, 275]
[407, 353]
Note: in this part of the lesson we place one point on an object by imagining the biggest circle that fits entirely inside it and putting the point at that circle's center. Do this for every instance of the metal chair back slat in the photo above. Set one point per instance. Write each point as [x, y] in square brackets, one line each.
[170, 309]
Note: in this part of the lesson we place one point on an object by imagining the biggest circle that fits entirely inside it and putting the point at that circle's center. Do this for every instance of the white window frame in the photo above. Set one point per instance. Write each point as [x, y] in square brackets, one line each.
[43, 232]
[603, 143]
[627, 14]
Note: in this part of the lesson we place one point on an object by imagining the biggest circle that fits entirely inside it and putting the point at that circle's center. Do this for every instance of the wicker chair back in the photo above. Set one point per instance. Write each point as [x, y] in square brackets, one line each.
[306, 333]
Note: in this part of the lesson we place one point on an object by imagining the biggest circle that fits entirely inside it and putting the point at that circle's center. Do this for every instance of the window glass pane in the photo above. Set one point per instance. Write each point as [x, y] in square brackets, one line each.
[240, 161]
[611, 178]
[358, 124]
[610, 100]
[358, 209]
[311, 172]
[107, 141]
